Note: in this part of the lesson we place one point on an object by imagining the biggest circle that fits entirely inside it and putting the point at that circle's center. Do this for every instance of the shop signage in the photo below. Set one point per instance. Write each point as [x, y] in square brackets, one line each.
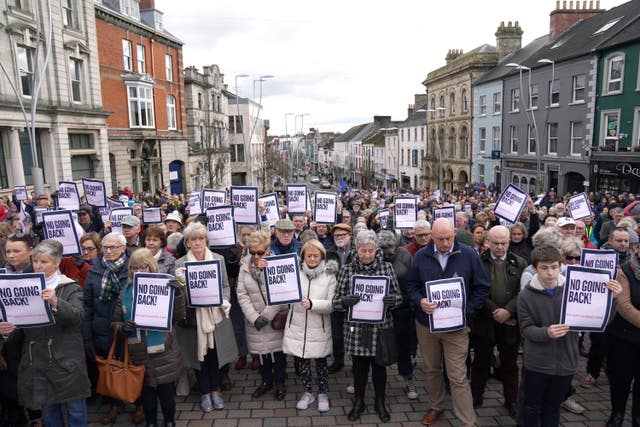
[627, 169]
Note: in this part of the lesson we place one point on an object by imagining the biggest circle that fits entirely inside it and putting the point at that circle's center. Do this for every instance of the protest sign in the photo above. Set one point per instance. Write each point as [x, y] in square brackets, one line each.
[451, 300]
[447, 212]
[579, 206]
[539, 199]
[221, 226]
[203, 283]
[152, 301]
[59, 225]
[124, 199]
[21, 192]
[212, 198]
[116, 215]
[384, 218]
[505, 223]
[151, 216]
[371, 290]
[325, 208]
[603, 259]
[95, 192]
[245, 202]
[511, 203]
[3, 271]
[68, 197]
[586, 301]
[296, 198]
[405, 212]
[282, 279]
[38, 210]
[21, 300]
[195, 206]
[271, 208]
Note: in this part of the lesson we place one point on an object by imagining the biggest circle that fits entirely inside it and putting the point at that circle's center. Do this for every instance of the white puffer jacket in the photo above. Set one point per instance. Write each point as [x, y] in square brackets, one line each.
[308, 332]
[250, 297]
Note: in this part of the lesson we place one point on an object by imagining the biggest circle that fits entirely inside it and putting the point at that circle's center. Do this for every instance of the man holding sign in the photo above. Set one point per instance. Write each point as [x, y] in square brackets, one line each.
[444, 258]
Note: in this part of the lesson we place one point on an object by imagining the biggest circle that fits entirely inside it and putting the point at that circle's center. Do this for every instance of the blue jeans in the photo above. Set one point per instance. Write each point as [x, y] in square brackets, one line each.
[237, 319]
[76, 414]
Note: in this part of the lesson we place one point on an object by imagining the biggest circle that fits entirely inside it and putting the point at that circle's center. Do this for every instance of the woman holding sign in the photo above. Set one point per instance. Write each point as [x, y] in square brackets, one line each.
[361, 338]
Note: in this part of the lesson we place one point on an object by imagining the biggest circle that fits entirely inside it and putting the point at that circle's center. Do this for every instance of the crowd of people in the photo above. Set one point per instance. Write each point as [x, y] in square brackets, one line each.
[512, 274]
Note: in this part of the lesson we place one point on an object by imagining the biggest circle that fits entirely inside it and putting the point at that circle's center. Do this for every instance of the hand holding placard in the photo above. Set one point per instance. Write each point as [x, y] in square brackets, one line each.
[350, 300]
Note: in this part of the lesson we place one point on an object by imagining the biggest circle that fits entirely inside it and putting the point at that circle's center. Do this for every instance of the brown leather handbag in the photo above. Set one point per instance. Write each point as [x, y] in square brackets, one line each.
[119, 379]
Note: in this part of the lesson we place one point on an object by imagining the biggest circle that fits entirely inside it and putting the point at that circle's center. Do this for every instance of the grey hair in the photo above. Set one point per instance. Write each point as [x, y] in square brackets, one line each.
[421, 223]
[366, 237]
[114, 235]
[358, 228]
[195, 229]
[50, 247]
[547, 237]
[571, 245]
[520, 226]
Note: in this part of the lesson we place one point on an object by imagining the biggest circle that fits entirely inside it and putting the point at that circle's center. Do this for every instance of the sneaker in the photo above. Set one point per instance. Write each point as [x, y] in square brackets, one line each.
[410, 388]
[573, 406]
[323, 403]
[306, 400]
[218, 403]
[351, 389]
[205, 403]
[587, 381]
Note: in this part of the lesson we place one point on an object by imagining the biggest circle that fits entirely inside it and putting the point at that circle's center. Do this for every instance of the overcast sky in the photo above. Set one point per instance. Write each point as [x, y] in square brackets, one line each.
[342, 62]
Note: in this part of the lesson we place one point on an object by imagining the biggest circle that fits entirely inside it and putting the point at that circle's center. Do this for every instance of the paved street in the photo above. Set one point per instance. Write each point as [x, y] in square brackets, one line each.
[242, 411]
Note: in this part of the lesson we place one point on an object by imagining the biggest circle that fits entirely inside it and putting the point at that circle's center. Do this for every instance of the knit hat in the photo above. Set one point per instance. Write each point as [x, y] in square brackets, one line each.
[386, 239]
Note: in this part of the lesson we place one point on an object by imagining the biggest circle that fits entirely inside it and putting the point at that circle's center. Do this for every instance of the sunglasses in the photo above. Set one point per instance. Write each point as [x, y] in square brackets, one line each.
[572, 258]
[259, 253]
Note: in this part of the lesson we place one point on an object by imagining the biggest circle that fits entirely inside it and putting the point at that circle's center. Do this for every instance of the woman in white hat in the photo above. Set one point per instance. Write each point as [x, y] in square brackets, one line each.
[173, 222]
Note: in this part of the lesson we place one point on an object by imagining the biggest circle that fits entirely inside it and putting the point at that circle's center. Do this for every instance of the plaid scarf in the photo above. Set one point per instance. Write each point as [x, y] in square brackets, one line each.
[110, 281]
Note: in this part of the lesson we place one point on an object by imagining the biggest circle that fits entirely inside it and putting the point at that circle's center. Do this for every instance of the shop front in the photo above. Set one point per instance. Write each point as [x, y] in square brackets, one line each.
[615, 177]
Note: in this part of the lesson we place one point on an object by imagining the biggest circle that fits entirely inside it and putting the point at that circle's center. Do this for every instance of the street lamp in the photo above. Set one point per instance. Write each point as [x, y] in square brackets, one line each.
[438, 146]
[301, 131]
[397, 157]
[235, 122]
[549, 93]
[262, 78]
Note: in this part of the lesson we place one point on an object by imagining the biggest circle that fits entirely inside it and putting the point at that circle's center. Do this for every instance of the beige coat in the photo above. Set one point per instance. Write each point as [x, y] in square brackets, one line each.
[250, 297]
[308, 332]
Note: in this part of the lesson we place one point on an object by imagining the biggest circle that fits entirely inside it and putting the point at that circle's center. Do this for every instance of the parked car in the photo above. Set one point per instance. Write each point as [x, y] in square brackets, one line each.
[315, 180]
[325, 184]
[302, 173]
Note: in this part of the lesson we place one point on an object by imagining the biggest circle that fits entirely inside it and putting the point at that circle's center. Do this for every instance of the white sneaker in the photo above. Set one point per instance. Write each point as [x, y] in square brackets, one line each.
[205, 403]
[306, 400]
[573, 406]
[323, 403]
[410, 389]
[217, 401]
[351, 389]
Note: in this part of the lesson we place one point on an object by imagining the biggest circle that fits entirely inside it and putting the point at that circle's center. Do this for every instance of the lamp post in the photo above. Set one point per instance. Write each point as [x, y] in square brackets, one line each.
[235, 122]
[255, 123]
[301, 132]
[290, 146]
[397, 157]
[438, 146]
[553, 77]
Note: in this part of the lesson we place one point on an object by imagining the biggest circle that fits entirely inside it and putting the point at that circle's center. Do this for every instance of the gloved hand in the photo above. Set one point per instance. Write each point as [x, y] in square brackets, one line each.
[260, 322]
[89, 350]
[128, 326]
[350, 300]
[173, 283]
[389, 300]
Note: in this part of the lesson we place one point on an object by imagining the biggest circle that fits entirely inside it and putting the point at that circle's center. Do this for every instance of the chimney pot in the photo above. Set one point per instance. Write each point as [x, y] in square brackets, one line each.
[564, 4]
[502, 23]
[590, 4]
[571, 4]
[598, 4]
[557, 4]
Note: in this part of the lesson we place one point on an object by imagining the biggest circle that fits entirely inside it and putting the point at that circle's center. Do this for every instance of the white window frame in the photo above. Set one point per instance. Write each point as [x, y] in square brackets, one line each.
[465, 101]
[482, 137]
[607, 81]
[495, 142]
[452, 103]
[69, 14]
[552, 92]
[168, 67]
[531, 138]
[144, 114]
[575, 141]
[127, 55]
[575, 88]
[513, 138]
[141, 59]
[76, 77]
[515, 100]
[481, 173]
[497, 102]
[603, 129]
[534, 96]
[550, 138]
[482, 101]
[26, 74]
[636, 128]
[171, 113]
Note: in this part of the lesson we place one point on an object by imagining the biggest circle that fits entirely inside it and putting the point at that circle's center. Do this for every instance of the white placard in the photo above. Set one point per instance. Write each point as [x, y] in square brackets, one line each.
[245, 202]
[195, 206]
[405, 212]
[173, 175]
[282, 279]
[271, 208]
[68, 197]
[221, 226]
[116, 215]
[59, 225]
[212, 198]
[151, 216]
[152, 301]
[296, 199]
[325, 208]
[447, 212]
[450, 297]
[95, 192]
[371, 290]
[38, 210]
[511, 203]
[384, 218]
[105, 212]
[203, 283]
[21, 300]
[579, 206]
[602, 259]
[124, 199]
[21, 192]
[586, 301]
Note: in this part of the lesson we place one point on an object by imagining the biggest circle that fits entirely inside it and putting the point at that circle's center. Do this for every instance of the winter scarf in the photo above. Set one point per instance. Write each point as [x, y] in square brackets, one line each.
[110, 280]
[312, 273]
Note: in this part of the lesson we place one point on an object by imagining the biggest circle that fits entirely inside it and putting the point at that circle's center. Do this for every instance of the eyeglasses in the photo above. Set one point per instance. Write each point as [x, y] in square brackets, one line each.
[139, 267]
[111, 248]
[88, 248]
[340, 236]
[572, 258]
[259, 253]
[423, 235]
[285, 231]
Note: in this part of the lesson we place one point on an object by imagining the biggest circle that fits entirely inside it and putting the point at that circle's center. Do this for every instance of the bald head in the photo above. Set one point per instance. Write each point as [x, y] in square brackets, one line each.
[443, 235]
[499, 241]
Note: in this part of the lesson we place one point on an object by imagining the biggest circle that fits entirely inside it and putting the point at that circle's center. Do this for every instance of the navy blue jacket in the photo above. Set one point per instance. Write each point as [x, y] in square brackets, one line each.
[463, 262]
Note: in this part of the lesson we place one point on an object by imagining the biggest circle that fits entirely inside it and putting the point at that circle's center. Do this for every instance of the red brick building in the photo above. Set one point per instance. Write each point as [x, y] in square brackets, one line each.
[141, 74]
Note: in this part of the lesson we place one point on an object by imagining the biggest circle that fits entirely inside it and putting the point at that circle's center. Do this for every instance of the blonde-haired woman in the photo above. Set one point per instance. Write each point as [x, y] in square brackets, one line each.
[196, 335]
[262, 339]
[157, 351]
[307, 335]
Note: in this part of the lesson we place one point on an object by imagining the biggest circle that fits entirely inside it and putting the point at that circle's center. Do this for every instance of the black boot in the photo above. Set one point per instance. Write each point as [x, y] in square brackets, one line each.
[358, 408]
[615, 420]
[169, 424]
[381, 410]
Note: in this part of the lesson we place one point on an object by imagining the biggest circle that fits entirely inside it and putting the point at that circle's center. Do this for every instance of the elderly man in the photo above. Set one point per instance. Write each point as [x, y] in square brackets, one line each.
[495, 324]
[616, 214]
[581, 234]
[131, 231]
[462, 234]
[444, 258]
[421, 237]
[284, 243]
[566, 226]
[300, 224]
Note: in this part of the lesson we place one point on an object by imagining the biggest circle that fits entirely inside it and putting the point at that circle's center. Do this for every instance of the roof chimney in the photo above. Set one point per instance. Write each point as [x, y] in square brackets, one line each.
[562, 18]
[382, 121]
[452, 54]
[508, 38]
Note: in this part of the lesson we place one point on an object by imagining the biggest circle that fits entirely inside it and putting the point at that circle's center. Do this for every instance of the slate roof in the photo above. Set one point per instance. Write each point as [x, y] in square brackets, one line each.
[349, 135]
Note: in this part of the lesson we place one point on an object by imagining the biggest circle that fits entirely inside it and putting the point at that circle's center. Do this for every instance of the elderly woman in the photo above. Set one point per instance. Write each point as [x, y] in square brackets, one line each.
[155, 240]
[307, 334]
[52, 375]
[361, 338]
[196, 334]
[518, 242]
[262, 339]
[105, 279]
[157, 351]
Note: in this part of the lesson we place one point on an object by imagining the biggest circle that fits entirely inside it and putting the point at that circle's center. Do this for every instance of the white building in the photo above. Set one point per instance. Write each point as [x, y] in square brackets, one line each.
[247, 133]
